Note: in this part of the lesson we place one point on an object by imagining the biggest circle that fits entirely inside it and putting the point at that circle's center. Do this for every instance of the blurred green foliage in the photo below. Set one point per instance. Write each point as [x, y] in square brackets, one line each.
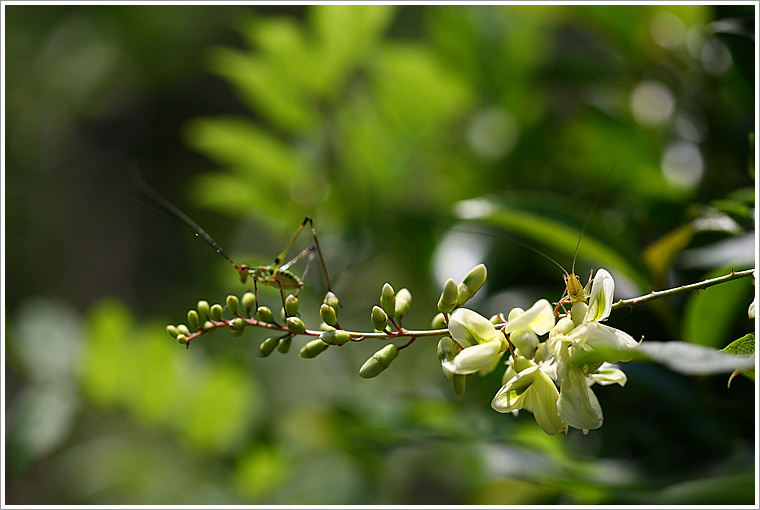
[422, 140]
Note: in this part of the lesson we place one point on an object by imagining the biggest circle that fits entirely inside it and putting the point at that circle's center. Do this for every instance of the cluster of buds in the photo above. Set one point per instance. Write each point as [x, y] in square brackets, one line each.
[550, 377]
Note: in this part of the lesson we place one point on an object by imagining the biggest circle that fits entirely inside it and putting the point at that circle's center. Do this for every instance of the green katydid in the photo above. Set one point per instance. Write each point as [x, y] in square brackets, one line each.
[275, 274]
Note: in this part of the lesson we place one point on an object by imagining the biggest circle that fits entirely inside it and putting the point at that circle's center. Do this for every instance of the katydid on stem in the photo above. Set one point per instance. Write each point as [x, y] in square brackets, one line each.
[276, 274]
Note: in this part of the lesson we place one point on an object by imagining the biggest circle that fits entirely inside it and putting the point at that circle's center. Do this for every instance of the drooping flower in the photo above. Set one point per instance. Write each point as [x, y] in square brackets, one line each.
[530, 388]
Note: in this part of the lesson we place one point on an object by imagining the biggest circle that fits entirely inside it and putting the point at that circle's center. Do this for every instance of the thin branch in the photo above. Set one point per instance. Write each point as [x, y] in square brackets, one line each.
[734, 275]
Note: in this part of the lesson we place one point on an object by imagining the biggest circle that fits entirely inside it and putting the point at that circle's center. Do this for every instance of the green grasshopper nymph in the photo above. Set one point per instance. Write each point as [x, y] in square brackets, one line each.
[276, 274]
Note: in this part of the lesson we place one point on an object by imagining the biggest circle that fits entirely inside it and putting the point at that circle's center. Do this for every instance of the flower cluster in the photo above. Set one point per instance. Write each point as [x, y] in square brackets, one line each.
[550, 377]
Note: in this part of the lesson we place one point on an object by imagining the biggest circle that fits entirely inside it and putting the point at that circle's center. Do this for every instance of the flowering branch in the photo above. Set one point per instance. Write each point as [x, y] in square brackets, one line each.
[553, 353]
[734, 275]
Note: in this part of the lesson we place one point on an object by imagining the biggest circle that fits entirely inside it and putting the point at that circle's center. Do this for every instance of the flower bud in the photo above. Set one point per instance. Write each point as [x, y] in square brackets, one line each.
[267, 346]
[183, 329]
[459, 384]
[475, 278]
[403, 302]
[295, 325]
[264, 314]
[249, 301]
[498, 319]
[283, 346]
[379, 361]
[331, 300]
[181, 339]
[328, 314]
[379, 318]
[335, 337]
[388, 300]
[291, 305]
[238, 324]
[172, 330]
[438, 322]
[233, 304]
[203, 310]
[313, 349]
[471, 283]
[217, 312]
[192, 318]
[207, 325]
[448, 300]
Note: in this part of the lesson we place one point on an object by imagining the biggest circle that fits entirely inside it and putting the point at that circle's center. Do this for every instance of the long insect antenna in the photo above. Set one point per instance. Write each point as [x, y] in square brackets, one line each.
[588, 216]
[516, 241]
[178, 216]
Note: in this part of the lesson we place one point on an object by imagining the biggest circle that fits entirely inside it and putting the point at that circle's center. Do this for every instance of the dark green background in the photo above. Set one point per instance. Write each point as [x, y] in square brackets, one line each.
[376, 121]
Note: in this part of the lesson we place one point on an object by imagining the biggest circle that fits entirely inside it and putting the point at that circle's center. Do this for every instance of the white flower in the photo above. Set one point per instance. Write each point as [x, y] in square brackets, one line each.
[577, 405]
[600, 300]
[531, 389]
[482, 344]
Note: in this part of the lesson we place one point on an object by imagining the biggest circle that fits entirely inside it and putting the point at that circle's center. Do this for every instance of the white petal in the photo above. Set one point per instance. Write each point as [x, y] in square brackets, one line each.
[577, 404]
[543, 402]
[474, 358]
[593, 335]
[602, 294]
[512, 395]
[526, 342]
[539, 317]
[470, 328]
[609, 375]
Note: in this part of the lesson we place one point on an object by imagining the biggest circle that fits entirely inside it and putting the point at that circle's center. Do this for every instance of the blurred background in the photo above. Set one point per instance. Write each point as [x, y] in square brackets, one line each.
[422, 140]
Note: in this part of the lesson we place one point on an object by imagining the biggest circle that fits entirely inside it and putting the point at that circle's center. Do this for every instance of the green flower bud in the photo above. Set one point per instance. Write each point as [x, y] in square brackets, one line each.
[249, 300]
[335, 337]
[448, 300]
[459, 382]
[192, 318]
[313, 349]
[183, 329]
[172, 330]
[181, 339]
[438, 322]
[208, 325]
[447, 349]
[475, 278]
[296, 325]
[471, 283]
[283, 346]
[264, 314]
[403, 302]
[379, 361]
[379, 318]
[328, 314]
[325, 327]
[236, 332]
[267, 346]
[498, 319]
[291, 305]
[463, 294]
[217, 312]
[388, 300]
[203, 310]
[233, 304]
[331, 300]
[238, 324]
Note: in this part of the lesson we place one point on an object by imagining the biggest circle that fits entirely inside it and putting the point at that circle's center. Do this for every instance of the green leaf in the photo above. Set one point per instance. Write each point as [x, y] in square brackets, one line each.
[744, 345]
[690, 359]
